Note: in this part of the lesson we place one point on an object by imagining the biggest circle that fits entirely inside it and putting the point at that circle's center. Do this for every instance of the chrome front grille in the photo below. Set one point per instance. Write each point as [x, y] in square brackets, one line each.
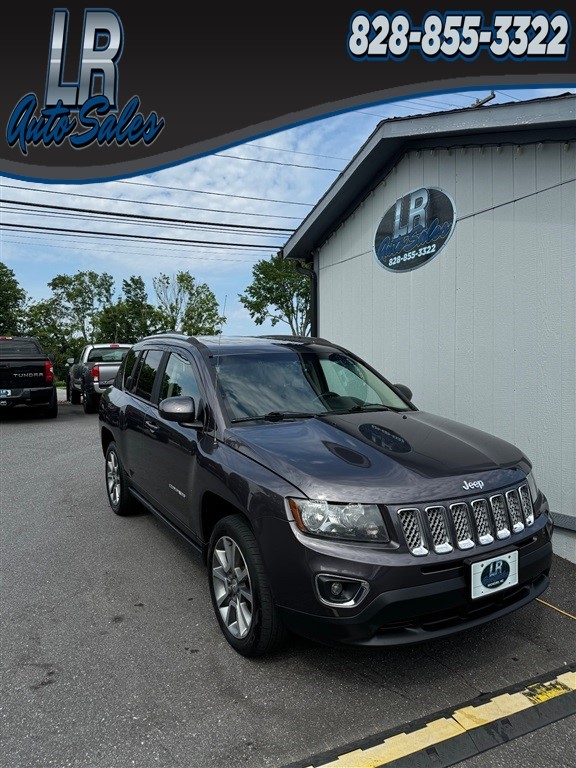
[464, 525]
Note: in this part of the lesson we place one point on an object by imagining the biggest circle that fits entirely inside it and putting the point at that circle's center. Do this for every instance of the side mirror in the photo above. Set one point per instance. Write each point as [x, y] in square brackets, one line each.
[181, 409]
[70, 361]
[404, 390]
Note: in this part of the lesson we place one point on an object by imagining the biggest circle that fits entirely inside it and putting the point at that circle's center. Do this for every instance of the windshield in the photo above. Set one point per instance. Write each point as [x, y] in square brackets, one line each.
[302, 382]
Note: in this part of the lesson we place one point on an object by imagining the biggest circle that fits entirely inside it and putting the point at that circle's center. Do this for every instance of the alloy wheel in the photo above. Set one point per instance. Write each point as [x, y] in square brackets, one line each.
[113, 478]
[232, 587]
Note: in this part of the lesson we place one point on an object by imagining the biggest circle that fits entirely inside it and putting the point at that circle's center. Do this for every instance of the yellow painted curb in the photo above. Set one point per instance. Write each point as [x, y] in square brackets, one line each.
[462, 720]
[399, 746]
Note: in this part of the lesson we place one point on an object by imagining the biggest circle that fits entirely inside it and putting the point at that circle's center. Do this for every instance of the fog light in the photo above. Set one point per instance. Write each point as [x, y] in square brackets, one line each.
[338, 591]
[336, 588]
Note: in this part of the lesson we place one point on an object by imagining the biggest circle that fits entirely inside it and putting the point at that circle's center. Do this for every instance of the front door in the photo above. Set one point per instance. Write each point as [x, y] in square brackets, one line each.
[173, 448]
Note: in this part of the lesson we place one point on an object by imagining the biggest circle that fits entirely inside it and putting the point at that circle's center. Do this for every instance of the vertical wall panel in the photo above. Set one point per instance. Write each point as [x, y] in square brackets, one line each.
[567, 364]
[486, 331]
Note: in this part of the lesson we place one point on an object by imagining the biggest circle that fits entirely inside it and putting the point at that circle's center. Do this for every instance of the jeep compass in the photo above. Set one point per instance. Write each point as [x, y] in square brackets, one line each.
[321, 499]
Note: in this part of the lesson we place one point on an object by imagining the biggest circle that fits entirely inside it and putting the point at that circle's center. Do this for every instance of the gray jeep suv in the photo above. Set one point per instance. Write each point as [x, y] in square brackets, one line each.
[321, 499]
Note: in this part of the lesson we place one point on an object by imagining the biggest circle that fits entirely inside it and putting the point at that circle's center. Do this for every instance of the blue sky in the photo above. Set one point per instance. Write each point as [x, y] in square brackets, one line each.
[273, 181]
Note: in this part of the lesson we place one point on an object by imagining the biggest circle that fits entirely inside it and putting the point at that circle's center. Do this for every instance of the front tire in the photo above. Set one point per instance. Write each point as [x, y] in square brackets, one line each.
[117, 490]
[75, 396]
[91, 402]
[239, 589]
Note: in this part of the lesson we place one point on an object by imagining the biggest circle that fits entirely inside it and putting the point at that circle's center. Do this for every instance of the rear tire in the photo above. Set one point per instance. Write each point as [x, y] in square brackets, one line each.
[117, 488]
[52, 408]
[240, 592]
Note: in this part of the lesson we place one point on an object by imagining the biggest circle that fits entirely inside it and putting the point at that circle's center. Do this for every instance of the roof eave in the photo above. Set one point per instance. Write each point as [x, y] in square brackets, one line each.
[386, 143]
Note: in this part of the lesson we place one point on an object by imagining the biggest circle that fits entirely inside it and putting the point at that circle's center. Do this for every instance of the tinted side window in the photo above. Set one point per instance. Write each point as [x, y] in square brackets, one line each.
[149, 364]
[126, 369]
[179, 379]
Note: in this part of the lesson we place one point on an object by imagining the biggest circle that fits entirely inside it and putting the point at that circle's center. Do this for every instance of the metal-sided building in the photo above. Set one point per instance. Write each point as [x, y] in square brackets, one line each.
[445, 255]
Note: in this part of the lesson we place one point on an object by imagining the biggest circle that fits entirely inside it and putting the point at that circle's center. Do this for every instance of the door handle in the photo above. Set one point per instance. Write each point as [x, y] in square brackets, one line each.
[151, 425]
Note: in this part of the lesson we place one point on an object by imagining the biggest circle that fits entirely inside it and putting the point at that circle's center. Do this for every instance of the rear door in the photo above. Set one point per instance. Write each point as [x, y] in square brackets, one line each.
[139, 415]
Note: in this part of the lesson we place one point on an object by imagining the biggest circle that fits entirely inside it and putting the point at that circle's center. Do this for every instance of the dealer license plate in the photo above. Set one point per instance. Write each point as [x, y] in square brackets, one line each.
[5, 392]
[494, 574]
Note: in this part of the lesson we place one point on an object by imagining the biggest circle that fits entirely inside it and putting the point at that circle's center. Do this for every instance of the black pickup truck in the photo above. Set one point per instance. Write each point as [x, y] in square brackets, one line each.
[26, 375]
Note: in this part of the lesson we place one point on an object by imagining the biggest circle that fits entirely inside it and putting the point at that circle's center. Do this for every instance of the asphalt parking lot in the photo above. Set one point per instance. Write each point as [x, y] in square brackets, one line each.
[112, 657]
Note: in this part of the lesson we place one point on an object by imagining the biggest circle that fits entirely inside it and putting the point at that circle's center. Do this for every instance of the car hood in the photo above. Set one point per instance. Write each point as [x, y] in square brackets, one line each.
[381, 456]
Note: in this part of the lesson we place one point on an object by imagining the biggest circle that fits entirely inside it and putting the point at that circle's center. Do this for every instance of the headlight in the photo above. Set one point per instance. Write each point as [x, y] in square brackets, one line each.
[360, 522]
[532, 485]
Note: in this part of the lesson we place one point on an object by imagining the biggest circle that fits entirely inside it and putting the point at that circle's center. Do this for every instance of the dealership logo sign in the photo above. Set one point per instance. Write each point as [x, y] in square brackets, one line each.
[415, 229]
[495, 574]
[84, 112]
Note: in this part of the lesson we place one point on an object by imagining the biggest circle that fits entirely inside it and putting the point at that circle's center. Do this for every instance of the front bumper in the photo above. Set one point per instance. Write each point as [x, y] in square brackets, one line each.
[417, 614]
[409, 601]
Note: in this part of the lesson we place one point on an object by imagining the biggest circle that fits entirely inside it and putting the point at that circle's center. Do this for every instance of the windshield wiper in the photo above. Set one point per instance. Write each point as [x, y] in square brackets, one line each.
[278, 416]
[368, 407]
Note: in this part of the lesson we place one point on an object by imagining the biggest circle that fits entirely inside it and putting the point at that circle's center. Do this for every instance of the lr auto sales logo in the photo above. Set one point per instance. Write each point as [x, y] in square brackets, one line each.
[87, 111]
[414, 229]
[495, 574]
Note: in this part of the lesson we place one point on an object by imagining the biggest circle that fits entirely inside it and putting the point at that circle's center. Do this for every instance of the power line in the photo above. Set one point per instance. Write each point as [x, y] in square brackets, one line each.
[277, 162]
[429, 106]
[143, 217]
[204, 192]
[152, 238]
[207, 244]
[427, 102]
[130, 252]
[147, 202]
[515, 200]
[298, 152]
[508, 95]
[83, 217]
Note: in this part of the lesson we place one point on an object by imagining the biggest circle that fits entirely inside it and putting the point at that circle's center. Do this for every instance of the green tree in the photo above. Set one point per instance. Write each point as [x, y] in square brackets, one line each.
[279, 293]
[12, 298]
[186, 305]
[81, 298]
[131, 317]
[46, 321]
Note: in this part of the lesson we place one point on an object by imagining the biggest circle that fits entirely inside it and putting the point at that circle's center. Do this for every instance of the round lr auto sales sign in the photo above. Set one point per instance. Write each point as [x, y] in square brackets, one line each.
[415, 229]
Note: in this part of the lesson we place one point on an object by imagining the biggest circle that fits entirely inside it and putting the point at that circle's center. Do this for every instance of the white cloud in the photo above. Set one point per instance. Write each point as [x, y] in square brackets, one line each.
[277, 193]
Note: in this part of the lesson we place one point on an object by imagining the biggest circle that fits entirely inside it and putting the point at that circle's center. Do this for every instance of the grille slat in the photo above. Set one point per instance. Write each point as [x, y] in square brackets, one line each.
[482, 519]
[500, 516]
[515, 511]
[438, 525]
[412, 528]
[462, 525]
[466, 524]
[526, 501]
